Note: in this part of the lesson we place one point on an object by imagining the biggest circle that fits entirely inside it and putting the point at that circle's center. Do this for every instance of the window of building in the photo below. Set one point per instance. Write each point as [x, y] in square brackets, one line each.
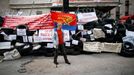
[38, 12]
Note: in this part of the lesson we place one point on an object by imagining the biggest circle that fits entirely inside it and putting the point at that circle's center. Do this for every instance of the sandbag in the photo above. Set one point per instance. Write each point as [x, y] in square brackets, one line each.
[98, 33]
[102, 47]
[12, 55]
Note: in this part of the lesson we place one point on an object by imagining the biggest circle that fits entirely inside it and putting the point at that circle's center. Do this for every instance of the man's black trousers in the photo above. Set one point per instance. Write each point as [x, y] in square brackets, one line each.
[63, 52]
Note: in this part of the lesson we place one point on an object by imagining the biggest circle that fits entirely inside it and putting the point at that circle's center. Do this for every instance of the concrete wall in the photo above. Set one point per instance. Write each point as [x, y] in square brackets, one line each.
[122, 9]
[131, 7]
[27, 12]
[4, 6]
[28, 1]
[27, 6]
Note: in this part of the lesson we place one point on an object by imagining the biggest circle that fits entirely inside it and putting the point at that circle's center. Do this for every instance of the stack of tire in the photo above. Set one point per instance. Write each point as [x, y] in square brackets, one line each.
[4, 33]
[24, 48]
[128, 45]
[109, 29]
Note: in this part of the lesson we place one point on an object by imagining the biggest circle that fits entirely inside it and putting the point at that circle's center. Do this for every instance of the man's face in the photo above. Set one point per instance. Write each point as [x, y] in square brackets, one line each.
[59, 26]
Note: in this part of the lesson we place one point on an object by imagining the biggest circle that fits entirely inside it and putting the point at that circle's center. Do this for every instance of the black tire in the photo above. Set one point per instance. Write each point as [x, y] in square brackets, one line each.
[1, 37]
[26, 51]
[127, 51]
[49, 52]
[8, 31]
[1, 21]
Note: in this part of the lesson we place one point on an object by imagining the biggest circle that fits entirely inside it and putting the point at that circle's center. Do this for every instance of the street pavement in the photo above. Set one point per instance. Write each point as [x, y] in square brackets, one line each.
[89, 64]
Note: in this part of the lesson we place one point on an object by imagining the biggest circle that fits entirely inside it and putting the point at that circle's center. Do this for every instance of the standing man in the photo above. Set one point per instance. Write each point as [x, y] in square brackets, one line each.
[60, 44]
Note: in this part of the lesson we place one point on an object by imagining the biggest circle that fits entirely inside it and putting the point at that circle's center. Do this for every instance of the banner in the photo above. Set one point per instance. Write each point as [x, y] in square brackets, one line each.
[33, 22]
[46, 35]
[84, 18]
[65, 18]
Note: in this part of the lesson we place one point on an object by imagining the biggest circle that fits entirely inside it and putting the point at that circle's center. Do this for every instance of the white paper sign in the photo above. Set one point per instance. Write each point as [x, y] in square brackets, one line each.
[92, 37]
[30, 38]
[12, 37]
[50, 45]
[25, 39]
[67, 44]
[66, 35]
[73, 32]
[84, 32]
[75, 42]
[84, 18]
[46, 35]
[5, 45]
[80, 27]
[37, 39]
[21, 32]
[83, 39]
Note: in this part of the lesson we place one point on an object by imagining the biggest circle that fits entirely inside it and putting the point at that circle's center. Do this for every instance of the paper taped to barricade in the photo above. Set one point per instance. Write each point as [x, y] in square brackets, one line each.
[12, 37]
[30, 38]
[25, 39]
[92, 37]
[84, 32]
[66, 35]
[83, 39]
[37, 39]
[68, 44]
[75, 42]
[5, 45]
[46, 35]
[73, 32]
[21, 32]
[50, 45]
[80, 27]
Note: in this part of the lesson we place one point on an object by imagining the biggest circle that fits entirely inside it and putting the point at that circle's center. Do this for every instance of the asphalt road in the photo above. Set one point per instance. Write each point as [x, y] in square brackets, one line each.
[92, 64]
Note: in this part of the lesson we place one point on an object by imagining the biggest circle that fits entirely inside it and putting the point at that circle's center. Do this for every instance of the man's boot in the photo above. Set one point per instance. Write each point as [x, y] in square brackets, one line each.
[66, 61]
[55, 61]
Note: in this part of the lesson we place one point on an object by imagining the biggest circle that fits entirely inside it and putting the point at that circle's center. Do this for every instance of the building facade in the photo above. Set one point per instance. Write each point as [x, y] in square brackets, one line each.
[35, 7]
